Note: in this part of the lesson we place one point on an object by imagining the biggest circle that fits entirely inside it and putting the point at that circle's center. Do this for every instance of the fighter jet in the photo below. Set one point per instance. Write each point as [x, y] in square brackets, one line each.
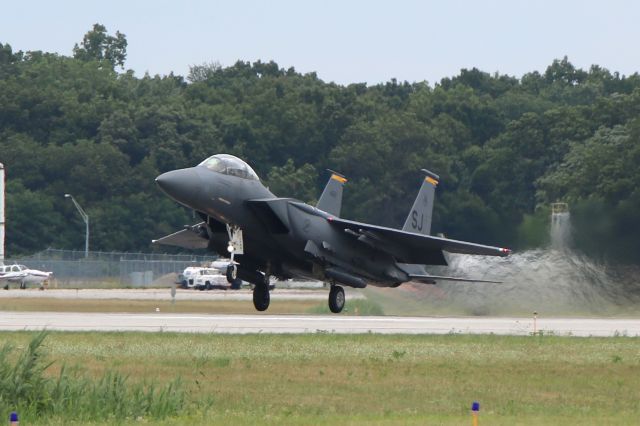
[269, 236]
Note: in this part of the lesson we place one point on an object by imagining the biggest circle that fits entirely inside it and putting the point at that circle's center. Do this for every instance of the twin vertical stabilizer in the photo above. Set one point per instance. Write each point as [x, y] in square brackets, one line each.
[331, 199]
[419, 219]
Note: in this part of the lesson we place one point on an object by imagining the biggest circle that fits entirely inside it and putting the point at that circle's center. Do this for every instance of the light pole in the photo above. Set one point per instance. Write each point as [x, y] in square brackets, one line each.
[85, 217]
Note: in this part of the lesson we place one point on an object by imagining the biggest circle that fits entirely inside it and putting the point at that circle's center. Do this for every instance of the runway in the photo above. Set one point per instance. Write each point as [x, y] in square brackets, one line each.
[261, 323]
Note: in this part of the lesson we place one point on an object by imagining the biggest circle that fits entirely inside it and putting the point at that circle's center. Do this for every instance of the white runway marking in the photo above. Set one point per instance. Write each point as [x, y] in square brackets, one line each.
[314, 324]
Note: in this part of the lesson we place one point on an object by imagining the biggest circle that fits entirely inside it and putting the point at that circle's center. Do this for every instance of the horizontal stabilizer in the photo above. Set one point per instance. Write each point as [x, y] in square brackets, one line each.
[432, 279]
[419, 273]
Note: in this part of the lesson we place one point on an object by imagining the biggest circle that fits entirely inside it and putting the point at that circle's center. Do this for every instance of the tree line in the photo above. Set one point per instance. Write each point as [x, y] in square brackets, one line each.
[504, 147]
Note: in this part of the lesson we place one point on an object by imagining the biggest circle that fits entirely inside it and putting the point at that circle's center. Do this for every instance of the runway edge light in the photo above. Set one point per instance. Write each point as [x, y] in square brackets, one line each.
[13, 418]
[475, 410]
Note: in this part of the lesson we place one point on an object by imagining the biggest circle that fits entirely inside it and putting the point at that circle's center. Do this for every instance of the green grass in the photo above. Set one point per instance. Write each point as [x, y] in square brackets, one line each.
[141, 306]
[25, 387]
[359, 379]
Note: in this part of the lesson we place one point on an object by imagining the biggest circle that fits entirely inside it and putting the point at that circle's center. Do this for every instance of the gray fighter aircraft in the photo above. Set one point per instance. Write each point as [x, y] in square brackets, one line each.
[270, 236]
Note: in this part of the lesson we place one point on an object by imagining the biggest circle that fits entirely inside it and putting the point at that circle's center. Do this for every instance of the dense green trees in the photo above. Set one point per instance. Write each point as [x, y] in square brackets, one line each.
[504, 147]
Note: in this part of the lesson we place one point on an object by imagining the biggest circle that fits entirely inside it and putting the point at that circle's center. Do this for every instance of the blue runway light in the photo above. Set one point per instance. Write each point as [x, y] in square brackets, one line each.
[13, 418]
[475, 411]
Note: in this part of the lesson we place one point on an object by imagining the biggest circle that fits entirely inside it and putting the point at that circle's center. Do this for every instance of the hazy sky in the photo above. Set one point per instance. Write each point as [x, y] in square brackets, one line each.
[343, 41]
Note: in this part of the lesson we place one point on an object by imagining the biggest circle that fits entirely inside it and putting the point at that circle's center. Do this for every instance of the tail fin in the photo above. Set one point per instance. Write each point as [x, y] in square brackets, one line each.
[419, 219]
[331, 199]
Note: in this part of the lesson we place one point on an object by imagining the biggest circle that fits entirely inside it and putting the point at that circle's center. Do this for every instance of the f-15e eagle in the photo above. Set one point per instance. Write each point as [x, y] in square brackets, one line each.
[270, 236]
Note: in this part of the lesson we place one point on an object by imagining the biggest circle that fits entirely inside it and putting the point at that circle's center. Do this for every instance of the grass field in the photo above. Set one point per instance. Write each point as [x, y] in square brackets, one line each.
[300, 306]
[141, 306]
[367, 379]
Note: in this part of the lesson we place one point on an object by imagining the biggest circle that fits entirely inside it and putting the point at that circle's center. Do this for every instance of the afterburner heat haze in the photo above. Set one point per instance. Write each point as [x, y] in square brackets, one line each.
[556, 280]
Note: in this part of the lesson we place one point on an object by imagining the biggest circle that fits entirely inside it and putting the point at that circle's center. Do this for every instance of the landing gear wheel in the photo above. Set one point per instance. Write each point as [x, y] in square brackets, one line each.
[236, 284]
[261, 297]
[232, 273]
[23, 285]
[336, 299]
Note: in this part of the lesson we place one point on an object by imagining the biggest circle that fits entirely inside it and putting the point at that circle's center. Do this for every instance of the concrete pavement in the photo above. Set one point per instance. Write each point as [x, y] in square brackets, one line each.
[264, 323]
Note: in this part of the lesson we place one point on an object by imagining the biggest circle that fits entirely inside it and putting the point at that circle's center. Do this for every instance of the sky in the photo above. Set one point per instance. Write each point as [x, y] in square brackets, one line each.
[342, 41]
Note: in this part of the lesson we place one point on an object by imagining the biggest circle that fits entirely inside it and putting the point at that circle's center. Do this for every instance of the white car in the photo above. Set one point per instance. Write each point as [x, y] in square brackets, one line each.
[23, 275]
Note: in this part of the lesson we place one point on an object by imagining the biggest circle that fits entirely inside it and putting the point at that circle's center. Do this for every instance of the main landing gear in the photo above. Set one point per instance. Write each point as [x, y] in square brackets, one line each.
[261, 296]
[336, 299]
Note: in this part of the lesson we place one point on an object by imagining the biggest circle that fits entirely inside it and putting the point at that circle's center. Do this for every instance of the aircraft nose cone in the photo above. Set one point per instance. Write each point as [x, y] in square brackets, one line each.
[182, 185]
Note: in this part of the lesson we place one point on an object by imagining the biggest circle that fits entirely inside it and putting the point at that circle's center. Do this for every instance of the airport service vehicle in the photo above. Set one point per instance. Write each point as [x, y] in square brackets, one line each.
[207, 278]
[270, 236]
[187, 277]
[20, 274]
[221, 267]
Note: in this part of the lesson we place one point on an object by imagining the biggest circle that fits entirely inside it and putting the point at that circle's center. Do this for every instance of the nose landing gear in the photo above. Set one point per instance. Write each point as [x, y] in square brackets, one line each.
[336, 299]
[261, 296]
[232, 272]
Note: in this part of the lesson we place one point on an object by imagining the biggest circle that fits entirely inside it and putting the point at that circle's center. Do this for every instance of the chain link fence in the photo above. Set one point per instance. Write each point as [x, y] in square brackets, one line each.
[117, 269]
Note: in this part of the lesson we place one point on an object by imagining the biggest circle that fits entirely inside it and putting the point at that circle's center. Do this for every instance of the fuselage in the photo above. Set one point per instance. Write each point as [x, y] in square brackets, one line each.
[23, 275]
[284, 236]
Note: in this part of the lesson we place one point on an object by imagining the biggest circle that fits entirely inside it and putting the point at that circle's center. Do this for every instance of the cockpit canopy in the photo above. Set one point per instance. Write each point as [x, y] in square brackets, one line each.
[229, 165]
[12, 268]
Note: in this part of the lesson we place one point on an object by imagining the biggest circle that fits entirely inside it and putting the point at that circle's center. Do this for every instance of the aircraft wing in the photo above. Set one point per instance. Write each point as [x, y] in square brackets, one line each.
[12, 276]
[191, 237]
[409, 247]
